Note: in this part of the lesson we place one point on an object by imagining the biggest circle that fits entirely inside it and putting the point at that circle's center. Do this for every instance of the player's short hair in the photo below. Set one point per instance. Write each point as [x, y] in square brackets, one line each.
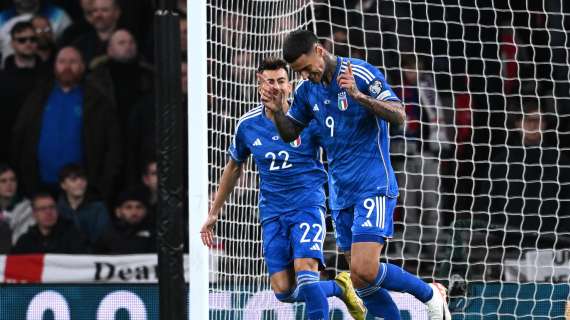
[21, 26]
[298, 43]
[272, 63]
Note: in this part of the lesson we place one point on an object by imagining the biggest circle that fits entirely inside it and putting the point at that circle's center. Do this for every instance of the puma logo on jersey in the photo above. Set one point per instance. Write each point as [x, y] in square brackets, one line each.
[316, 108]
[315, 247]
[366, 223]
[257, 142]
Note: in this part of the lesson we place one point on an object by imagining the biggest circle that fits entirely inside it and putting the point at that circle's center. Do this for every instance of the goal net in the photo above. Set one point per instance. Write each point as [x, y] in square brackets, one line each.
[482, 161]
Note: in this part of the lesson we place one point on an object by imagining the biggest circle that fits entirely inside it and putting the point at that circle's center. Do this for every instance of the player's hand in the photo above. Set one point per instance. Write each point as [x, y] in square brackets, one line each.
[207, 231]
[272, 97]
[346, 81]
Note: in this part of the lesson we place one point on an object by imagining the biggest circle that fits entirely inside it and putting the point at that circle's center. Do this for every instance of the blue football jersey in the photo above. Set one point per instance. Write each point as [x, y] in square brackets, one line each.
[356, 141]
[291, 174]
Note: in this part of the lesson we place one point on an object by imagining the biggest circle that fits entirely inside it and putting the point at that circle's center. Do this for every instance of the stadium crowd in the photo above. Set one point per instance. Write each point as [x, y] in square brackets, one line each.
[77, 162]
[485, 143]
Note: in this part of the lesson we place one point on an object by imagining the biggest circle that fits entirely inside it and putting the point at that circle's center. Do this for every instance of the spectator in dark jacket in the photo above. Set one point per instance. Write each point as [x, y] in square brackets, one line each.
[530, 186]
[122, 73]
[46, 39]
[88, 215]
[67, 121]
[51, 234]
[104, 17]
[25, 45]
[129, 234]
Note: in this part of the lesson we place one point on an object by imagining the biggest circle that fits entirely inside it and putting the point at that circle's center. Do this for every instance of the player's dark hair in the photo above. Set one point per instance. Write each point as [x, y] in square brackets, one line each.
[21, 26]
[272, 63]
[298, 43]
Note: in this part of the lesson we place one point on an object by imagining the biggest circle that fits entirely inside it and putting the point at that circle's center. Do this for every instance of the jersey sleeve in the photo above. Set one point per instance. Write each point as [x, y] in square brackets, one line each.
[374, 83]
[299, 112]
[238, 149]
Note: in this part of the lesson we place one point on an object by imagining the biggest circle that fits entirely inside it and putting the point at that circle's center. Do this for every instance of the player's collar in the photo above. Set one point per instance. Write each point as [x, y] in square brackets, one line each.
[339, 62]
[264, 111]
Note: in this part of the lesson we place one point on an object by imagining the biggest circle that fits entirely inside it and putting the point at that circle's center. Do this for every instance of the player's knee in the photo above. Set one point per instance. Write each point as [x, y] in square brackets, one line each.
[356, 281]
[306, 264]
[280, 287]
[285, 297]
[362, 275]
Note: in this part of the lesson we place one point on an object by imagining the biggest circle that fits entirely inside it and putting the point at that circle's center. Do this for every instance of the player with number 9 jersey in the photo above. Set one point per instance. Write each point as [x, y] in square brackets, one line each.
[291, 202]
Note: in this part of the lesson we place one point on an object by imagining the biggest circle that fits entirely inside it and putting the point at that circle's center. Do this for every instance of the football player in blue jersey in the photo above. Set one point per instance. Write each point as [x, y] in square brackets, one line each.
[291, 203]
[353, 105]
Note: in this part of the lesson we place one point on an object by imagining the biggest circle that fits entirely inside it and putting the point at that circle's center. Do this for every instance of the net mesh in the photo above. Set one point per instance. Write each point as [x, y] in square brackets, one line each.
[482, 161]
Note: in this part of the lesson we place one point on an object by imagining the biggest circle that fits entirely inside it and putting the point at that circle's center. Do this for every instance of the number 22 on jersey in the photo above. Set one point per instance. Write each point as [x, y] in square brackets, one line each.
[281, 155]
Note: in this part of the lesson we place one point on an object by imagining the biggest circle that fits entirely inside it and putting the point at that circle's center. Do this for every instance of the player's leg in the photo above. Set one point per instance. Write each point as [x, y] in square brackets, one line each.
[284, 287]
[307, 236]
[342, 221]
[279, 259]
[310, 290]
[372, 225]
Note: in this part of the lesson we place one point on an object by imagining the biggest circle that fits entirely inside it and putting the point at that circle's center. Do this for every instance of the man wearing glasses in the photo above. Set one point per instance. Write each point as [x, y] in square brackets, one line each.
[25, 45]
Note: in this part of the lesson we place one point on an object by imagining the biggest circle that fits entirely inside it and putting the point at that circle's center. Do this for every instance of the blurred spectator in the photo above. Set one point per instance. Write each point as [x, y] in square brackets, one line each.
[150, 191]
[123, 74]
[150, 181]
[514, 59]
[15, 210]
[51, 234]
[24, 10]
[67, 121]
[25, 45]
[417, 163]
[16, 82]
[128, 234]
[529, 186]
[46, 40]
[141, 139]
[81, 25]
[137, 17]
[182, 6]
[88, 215]
[103, 17]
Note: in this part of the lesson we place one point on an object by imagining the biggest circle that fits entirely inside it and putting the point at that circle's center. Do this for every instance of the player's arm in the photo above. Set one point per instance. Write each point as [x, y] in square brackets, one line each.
[288, 129]
[392, 111]
[230, 177]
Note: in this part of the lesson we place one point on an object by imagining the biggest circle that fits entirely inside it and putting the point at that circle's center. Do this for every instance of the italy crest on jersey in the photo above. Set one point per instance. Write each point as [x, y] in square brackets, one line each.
[296, 143]
[342, 101]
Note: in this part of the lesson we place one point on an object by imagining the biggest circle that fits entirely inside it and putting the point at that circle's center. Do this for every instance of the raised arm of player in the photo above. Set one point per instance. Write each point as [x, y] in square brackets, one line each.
[288, 129]
[276, 100]
[392, 111]
[230, 177]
